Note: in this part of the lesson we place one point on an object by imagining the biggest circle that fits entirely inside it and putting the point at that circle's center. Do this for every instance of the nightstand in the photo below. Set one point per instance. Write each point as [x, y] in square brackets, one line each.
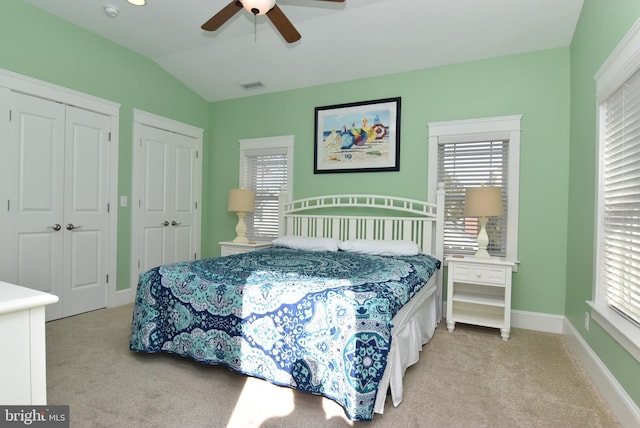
[479, 292]
[229, 248]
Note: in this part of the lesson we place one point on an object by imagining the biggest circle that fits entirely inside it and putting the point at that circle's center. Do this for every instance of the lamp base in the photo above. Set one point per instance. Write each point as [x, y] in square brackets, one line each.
[241, 230]
[482, 253]
[483, 239]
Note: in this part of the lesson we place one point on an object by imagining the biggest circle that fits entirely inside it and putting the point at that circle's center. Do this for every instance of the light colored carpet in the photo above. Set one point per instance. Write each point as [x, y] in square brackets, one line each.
[468, 378]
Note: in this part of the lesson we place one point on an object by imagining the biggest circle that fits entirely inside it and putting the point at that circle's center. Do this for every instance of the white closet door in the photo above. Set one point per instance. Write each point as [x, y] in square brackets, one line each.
[58, 176]
[86, 213]
[153, 203]
[35, 205]
[167, 178]
[185, 199]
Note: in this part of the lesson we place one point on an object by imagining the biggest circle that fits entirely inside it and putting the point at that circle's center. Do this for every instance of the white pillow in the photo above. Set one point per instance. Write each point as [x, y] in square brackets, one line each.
[306, 243]
[380, 248]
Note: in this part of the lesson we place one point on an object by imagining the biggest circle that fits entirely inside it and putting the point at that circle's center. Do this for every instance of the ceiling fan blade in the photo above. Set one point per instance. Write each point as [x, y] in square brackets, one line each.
[283, 25]
[223, 16]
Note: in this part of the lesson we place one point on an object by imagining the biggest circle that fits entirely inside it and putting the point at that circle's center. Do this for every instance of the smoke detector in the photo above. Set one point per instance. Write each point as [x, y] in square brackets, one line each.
[252, 85]
[111, 10]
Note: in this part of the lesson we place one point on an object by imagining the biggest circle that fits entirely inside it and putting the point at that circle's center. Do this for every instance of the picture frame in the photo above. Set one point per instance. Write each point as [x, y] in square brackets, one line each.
[362, 136]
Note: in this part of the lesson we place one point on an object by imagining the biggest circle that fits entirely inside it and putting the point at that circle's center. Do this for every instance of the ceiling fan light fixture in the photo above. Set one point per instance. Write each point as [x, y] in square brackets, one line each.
[258, 7]
[138, 2]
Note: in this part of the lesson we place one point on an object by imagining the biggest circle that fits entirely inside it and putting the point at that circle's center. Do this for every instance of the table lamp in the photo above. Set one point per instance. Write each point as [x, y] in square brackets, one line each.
[241, 203]
[483, 202]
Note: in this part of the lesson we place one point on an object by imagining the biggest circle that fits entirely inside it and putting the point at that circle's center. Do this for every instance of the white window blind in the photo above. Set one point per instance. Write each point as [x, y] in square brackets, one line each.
[620, 199]
[266, 174]
[266, 167]
[473, 164]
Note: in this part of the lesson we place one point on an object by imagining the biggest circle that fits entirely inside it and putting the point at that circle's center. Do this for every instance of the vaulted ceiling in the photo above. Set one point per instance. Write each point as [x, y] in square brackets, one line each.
[340, 41]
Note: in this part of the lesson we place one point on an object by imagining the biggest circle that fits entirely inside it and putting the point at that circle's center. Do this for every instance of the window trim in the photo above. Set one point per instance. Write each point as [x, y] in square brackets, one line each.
[490, 128]
[285, 142]
[623, 62]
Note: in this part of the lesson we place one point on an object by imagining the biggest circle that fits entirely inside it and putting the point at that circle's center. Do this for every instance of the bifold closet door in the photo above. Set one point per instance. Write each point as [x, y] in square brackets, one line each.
[57, 208]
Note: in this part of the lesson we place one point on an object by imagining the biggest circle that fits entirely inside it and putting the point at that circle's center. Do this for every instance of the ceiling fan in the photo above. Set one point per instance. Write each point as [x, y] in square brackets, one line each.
[258, 7]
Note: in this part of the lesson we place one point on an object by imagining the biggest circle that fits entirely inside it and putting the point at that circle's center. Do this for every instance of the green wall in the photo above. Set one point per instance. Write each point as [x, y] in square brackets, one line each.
[41, 46]
[600, 29]
[535, 85]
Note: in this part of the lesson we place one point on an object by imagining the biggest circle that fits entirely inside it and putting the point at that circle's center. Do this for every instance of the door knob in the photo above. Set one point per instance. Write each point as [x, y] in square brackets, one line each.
[165, 223]
[70, 226]
[175, 223]
[55, 227]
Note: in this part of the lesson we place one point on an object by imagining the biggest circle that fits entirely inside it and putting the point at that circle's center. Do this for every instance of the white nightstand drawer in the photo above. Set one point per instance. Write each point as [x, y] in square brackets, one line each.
[231, 248]
[227, 251]
[475, 273]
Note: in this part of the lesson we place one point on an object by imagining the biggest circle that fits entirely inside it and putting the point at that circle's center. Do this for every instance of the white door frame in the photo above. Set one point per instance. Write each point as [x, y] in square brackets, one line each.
[42, 89]
[141, 117]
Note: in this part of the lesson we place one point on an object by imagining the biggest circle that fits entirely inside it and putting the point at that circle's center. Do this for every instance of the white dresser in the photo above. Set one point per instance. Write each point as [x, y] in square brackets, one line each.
[23, 368]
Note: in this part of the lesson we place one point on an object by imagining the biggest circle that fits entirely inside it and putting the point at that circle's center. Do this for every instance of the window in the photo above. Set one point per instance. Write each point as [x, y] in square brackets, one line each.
[266, 167]
[472, 153]
[617, 278]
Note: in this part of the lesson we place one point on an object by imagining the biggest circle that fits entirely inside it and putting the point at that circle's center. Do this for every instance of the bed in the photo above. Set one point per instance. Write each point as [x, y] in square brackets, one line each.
[339, 306]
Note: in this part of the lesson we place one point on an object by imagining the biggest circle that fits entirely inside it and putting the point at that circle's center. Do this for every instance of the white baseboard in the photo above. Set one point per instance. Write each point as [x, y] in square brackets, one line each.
[622, 405]
[538, 321]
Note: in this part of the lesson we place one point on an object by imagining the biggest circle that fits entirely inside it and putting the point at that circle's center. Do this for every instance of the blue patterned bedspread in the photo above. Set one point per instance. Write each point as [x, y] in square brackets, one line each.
[319, 322]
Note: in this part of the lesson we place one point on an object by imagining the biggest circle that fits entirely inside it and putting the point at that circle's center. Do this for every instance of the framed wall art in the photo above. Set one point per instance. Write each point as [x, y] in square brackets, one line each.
[357, 137]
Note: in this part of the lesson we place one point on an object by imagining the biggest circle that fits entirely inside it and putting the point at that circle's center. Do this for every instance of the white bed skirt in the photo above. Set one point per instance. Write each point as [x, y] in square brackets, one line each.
[414, 326]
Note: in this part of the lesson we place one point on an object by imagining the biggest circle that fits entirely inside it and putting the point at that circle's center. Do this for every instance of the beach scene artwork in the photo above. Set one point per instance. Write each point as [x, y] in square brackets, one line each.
[357, 137]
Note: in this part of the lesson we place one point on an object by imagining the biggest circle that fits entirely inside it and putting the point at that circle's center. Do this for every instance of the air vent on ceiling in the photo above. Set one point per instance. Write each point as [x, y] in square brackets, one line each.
[252, 85]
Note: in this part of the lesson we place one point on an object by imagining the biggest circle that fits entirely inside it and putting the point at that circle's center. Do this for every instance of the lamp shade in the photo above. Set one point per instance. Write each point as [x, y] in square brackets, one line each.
[483, 202]
[241, 200]
[258, 7]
